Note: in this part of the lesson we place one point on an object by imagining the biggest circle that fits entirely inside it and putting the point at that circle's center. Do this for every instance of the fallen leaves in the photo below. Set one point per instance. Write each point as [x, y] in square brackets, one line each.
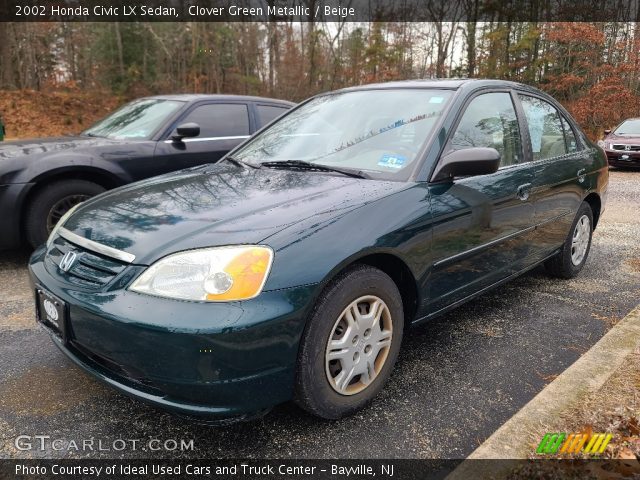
[31, 114]
[625, 453]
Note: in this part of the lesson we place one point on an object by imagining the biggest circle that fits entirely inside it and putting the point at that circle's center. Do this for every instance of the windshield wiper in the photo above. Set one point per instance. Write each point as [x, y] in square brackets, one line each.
[302, 165]
[241, 163]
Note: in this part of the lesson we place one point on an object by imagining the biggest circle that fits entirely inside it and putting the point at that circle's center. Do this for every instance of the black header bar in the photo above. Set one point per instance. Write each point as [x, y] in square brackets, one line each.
[319, 10]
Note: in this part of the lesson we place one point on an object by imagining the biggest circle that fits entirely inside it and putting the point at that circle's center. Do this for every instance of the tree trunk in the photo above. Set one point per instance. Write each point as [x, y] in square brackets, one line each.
[7, 77]
[119, 48]
[471, 49]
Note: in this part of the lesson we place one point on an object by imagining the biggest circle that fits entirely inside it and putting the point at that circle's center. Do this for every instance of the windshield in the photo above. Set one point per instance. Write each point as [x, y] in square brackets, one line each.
[136, 120]
[371, 131]
[629, 127]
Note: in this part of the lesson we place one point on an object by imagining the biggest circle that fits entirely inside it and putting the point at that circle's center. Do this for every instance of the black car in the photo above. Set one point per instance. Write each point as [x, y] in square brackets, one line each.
[40, 180]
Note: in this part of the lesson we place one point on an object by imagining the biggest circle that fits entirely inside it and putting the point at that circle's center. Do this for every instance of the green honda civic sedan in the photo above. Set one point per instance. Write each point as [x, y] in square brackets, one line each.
[292, 268]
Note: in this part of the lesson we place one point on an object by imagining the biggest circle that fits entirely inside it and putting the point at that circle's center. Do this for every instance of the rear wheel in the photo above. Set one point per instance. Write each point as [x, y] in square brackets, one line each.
[350, 344]
[575, 250]
[51, 203]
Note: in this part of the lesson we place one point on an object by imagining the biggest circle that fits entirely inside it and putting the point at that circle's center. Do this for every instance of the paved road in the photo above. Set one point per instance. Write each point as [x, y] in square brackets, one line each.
[458, 378]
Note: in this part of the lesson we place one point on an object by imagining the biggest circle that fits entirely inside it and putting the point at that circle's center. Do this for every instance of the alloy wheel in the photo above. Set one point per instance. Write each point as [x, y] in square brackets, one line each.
[61, 207]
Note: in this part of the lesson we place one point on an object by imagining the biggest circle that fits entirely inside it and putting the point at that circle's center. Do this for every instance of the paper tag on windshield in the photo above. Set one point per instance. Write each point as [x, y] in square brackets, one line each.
[392, 161]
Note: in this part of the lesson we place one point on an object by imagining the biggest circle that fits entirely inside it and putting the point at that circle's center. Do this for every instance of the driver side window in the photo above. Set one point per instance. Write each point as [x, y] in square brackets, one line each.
[490, 121]
[220, 119]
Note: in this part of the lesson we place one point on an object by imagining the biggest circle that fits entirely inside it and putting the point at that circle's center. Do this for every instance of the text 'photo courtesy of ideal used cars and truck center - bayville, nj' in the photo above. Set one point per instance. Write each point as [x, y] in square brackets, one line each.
[320, 239]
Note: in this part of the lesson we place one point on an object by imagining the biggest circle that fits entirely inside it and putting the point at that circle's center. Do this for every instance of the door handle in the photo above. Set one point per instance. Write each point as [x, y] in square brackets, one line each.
[523, 191]
[581, 175]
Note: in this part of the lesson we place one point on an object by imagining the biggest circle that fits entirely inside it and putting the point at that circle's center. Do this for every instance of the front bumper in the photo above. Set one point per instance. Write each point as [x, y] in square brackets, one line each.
[213, 360]
[623, 158]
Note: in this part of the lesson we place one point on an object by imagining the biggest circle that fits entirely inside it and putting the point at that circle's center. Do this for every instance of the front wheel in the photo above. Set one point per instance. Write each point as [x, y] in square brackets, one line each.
[350, 344]
[575, 250]
[51, 203]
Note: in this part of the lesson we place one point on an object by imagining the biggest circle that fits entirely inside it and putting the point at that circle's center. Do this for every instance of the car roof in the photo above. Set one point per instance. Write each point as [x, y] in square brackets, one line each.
[446, 83]
[192, 97]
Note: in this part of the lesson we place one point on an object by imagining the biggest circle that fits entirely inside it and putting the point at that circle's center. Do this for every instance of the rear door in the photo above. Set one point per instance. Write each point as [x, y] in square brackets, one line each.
[482, 224]
[223, 126]
[560, 170]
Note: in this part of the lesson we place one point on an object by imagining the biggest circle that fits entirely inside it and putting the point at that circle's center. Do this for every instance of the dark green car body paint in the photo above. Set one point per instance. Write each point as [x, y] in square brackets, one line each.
[455, 240]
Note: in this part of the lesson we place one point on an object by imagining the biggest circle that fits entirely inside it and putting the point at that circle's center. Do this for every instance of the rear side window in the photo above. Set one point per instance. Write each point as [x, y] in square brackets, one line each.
[545, 128]
[570, 137]
[267, 113]
[490, 121]
[220, 119]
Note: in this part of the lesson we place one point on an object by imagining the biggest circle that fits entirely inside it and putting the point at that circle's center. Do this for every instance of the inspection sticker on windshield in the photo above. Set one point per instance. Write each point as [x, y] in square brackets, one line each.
[392, 161]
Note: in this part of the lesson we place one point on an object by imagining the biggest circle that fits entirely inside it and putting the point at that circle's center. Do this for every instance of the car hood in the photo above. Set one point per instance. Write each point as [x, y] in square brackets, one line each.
[216, 205]
[623, 139]
[35, 147]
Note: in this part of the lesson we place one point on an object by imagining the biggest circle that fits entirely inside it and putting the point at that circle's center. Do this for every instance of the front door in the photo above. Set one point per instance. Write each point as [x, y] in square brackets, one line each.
[223, 126]
[482, 224]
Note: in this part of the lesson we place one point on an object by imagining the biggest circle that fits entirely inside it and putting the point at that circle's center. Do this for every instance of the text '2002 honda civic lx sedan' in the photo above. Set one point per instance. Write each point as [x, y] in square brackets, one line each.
[291, 270]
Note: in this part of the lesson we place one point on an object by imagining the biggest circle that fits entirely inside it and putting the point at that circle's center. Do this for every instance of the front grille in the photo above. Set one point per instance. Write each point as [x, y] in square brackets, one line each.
[89, 270]
[632, 148]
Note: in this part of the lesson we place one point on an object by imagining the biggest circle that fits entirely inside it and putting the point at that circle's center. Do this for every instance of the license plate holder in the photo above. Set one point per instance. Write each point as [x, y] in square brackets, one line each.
[51, 312]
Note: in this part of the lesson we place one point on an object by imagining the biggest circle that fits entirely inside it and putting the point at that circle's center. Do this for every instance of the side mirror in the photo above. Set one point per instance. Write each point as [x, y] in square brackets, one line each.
[186, 130]
[466, 162]
[607, 131]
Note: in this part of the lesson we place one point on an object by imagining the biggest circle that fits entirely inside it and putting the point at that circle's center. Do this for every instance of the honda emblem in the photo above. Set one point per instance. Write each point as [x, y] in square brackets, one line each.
[67, 261]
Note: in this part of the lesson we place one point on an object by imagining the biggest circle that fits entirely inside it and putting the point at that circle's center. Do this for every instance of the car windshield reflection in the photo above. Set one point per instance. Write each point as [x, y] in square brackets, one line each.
[378, 132]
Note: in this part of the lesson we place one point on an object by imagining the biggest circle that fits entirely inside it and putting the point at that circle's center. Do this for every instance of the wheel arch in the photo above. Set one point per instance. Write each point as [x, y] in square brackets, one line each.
[100, 176]
[95, 175]
[594, 201]
[393, 266]
[402, 276]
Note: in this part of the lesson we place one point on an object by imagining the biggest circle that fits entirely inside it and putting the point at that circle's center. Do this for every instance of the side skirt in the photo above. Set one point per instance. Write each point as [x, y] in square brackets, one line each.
[457, 303]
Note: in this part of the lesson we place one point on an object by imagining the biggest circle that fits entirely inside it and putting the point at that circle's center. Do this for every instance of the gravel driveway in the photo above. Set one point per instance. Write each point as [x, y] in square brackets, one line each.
[458, 378]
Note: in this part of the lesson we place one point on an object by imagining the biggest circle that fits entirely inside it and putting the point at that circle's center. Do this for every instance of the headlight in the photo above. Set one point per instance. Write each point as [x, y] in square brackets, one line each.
[601, 143]
[219, 274]
[60, 223]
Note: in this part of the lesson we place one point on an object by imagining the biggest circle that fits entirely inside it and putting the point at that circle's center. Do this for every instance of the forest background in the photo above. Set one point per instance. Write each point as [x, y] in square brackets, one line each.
[58, 78]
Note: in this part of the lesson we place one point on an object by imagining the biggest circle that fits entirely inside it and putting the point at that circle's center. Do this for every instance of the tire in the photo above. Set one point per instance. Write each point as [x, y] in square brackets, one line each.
[53, 201]
[568, 262]
[320, 389]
